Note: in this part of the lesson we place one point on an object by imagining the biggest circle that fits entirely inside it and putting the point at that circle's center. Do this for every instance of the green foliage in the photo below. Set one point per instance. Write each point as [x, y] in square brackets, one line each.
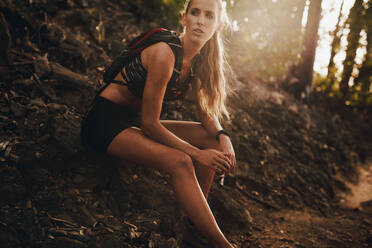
[166, 12]
[359, 93]
[355, 24]
[331, 88]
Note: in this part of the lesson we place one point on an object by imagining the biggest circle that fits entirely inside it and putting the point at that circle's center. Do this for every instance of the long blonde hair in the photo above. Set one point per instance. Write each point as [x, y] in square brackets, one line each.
[211, 66]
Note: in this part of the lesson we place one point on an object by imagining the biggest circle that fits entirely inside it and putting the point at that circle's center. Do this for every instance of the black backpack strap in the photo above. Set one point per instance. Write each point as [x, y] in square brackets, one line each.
[116, 66]
[143, 41]
[176, 46]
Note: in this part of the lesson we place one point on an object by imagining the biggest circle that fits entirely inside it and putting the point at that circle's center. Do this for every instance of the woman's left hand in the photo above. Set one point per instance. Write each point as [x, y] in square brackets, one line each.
[227, 148]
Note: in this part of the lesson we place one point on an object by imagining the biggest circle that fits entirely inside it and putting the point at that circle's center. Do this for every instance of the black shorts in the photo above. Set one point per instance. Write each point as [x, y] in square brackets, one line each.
[104, 120]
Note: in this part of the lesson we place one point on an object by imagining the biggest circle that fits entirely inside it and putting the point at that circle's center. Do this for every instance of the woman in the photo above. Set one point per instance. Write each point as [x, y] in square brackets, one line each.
[189, 152]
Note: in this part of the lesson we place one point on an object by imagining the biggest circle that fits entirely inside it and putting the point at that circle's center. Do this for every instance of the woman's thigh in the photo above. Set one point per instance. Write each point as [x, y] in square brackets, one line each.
[192, 132]
[132, 145]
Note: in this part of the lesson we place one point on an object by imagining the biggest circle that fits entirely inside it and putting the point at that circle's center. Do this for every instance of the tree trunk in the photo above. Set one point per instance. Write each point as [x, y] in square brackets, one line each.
[297, 20]
[335, 49]
[305, 68]
[356, 24]
[364, 77]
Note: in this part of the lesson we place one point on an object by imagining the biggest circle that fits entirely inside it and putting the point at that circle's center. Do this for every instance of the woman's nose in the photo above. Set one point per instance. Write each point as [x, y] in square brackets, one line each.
[201, 20]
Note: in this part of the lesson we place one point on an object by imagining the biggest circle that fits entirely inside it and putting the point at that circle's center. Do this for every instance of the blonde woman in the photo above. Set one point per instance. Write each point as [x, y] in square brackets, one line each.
[124, 120]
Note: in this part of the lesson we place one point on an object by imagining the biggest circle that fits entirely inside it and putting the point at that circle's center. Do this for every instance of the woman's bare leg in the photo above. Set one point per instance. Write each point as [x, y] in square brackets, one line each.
[132, 145]
[197, 135]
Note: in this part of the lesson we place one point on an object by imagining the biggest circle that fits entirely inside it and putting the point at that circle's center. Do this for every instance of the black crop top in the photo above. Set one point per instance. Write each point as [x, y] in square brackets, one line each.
[136, 76]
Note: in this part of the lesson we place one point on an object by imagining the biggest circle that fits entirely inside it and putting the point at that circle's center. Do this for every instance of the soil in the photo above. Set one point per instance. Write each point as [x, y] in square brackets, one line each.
[304, 176]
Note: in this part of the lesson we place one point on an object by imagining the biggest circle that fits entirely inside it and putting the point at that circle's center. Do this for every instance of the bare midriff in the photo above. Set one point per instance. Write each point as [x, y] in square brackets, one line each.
[120, 94]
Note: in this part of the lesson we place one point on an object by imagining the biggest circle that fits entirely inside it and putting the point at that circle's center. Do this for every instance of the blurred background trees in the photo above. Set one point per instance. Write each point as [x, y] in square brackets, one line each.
[277, 42]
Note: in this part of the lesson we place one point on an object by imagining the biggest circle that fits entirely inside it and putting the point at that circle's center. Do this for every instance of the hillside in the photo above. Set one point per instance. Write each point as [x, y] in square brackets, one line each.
[298, 163]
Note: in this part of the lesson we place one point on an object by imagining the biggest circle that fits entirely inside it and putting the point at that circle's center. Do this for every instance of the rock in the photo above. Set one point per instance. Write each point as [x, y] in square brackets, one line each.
[228, 210]
[277, 98]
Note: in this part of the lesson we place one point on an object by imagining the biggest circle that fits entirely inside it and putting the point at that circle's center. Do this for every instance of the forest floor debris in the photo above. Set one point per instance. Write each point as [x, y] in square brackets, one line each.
[297, 163]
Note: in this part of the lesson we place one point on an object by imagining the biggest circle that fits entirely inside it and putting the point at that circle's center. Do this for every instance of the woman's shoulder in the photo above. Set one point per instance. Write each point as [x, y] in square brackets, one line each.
[159, 54]
[164, 47]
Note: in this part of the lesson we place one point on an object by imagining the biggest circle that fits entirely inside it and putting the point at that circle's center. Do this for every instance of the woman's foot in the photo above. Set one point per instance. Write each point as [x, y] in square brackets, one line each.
[191, 236]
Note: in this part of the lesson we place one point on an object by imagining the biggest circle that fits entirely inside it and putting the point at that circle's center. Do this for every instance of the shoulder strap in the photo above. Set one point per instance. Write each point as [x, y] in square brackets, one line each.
[158, 35]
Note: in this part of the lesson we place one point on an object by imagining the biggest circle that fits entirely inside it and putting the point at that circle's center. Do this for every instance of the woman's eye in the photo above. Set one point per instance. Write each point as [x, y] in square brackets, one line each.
[210, 16]
[194, 12]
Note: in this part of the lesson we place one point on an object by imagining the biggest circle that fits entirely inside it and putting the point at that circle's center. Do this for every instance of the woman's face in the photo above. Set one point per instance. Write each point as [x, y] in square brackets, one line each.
[202, 20]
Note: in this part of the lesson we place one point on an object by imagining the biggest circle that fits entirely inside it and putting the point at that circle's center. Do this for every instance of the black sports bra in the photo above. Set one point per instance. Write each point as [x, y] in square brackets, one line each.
[135, 76]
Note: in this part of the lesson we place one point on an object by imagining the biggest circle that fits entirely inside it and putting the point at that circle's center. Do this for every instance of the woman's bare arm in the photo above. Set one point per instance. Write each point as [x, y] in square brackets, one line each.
[212, 125]
[159, 62]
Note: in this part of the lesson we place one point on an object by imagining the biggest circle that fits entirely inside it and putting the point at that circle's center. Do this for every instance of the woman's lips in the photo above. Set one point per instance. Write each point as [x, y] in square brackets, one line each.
[198, 31]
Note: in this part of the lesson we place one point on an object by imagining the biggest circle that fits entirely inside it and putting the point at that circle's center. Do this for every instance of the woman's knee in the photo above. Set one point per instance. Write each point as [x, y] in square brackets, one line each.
[181, 165]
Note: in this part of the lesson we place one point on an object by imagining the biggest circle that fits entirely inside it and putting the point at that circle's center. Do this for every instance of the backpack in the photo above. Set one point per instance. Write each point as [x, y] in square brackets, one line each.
[137, 45]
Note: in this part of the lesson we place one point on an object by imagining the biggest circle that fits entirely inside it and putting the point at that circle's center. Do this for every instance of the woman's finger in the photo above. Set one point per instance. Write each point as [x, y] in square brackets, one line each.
[225, 158]
[233, 161]
[223, 162]
[222, 165]
[217, 168]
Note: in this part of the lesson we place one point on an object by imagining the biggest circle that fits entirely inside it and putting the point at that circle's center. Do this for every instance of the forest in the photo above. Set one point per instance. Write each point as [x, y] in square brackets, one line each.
[284, 35]
[300, 108]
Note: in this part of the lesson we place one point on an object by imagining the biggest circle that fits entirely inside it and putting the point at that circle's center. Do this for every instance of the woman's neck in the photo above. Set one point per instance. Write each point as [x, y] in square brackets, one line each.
[190, 49]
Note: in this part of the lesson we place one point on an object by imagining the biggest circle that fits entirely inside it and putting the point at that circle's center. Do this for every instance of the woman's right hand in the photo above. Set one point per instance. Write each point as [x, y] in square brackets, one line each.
[213, 159]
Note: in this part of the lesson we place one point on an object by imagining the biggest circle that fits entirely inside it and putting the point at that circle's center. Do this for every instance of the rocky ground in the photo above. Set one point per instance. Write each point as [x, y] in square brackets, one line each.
[303, 175]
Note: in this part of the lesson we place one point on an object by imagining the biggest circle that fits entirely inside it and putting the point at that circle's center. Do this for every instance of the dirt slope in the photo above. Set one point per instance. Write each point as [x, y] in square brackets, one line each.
[297, 164]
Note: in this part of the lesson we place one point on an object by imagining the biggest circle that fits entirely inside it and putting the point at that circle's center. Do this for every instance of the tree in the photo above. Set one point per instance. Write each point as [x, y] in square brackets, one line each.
[335, 47]
[305, 67]
[355, 23]
[364, 78]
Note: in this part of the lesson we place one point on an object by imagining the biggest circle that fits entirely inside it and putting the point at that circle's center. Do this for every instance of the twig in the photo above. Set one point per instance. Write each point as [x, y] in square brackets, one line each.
[130, 224]
[63, 221]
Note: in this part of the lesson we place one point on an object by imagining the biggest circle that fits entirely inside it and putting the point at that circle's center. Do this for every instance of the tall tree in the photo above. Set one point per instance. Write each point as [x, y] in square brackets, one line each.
[298, 6]
[355, 23]
[305, 67]
[364, 78]
[335, 47]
